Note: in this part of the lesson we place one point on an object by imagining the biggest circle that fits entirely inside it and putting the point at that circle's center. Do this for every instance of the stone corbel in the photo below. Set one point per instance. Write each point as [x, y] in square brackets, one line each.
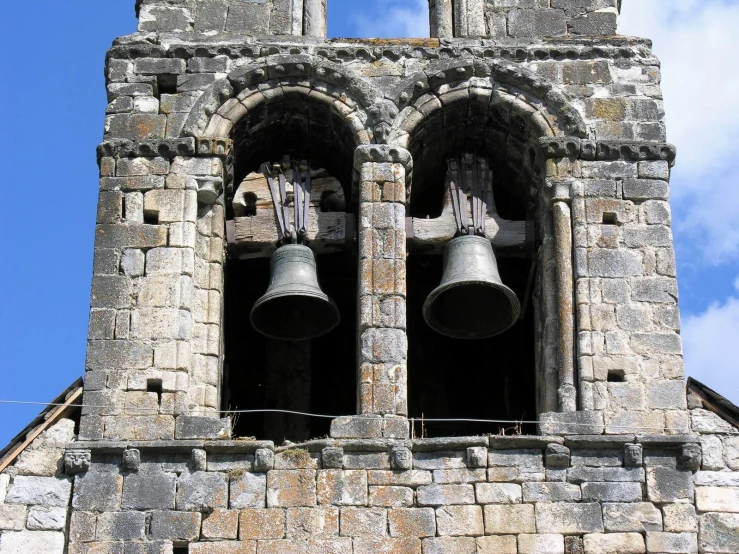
[606, 150]
[77, 461]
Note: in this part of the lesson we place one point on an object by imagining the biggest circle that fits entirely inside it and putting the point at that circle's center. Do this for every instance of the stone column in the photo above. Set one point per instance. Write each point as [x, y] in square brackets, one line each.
[469, 18]
[441, 18]
[383, 346]
[566, 393]
[314, 18]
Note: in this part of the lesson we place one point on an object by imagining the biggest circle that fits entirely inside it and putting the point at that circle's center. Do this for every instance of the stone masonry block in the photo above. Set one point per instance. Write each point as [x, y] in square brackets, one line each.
[459, 521]
[510, 519]
[623, 543]
[135, 126]
[262, 524]
[202, 491]
[569, 518]
[614, 263]
[646, 189]
[376, 545]
[148, 490]
[121, 526]
[551, 492]
[342, 488]
[171, 205]
[170, 261]
[637, 517]
[717, 499]
[541, 544]
[443, 495]
[363, 522]
[220, 524]
[45, 491]
[719, 533]
[130, 236]
[672, 543]
[412, 522]
[248, 490]
[669, 395]
[48, 542]
[665, 484]
[612, 492]
[303, 523]
[195, 427]
[504, 544]
[97, 491]
[291, 488]
[679, 518]
[391, 497]
[175, 526]
[12, 517]
[223, 547]
[536, 23]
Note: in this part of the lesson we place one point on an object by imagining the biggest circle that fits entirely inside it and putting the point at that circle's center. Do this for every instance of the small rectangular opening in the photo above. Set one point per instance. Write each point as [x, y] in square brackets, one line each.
[167, 84]
[610, 219]
[180, 550]
[616, 376]
[151, 218]
[155, 385]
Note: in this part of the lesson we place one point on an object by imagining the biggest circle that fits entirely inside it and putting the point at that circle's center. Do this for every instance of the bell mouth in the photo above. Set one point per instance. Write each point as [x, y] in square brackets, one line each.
[301, 316]
[471, 310]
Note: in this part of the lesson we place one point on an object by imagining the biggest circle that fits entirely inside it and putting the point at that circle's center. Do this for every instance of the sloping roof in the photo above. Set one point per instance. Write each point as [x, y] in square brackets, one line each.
[62, 406]
[714, 402]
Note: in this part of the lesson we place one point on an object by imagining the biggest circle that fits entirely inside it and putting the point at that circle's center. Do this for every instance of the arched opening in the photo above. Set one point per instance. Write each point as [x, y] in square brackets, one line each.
[316, 376]
[494, 378]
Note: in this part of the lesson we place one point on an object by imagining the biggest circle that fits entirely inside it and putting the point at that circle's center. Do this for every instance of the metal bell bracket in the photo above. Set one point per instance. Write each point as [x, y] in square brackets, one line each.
[470, 180]
[276, 180]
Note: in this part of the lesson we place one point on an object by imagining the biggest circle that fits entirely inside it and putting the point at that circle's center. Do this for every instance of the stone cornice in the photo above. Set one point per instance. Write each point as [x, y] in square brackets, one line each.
[606, 150]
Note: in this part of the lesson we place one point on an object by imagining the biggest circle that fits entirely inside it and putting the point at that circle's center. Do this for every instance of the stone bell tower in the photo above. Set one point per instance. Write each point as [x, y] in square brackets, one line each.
[539, 407]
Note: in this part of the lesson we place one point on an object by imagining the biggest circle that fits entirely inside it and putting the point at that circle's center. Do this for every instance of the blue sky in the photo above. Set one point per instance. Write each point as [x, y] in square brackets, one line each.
[53, 107]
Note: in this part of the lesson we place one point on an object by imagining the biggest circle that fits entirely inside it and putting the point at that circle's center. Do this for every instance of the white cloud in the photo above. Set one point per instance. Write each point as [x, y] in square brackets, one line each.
[712, 348]
[394, 18]
[696, 41]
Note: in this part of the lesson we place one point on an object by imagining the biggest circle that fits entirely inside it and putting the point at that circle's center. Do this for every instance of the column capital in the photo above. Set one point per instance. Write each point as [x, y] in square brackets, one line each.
[382, 153]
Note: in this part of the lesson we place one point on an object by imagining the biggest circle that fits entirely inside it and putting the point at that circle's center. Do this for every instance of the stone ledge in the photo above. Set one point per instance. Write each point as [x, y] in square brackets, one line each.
[446, 444]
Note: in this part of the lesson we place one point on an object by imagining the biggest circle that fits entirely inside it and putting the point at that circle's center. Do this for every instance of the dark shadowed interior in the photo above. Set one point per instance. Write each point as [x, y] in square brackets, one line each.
[478, 379]
[315, 376]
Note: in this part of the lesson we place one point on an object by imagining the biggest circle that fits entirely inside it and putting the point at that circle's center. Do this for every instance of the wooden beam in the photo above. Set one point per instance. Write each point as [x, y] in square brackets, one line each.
[509, 238]
[257, 236]
[52, 417]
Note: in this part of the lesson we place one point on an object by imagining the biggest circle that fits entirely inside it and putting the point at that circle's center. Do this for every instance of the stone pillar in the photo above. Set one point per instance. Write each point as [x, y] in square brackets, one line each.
[469, 18]
[314, 18]
[441, 18]
[566, 393]
[383, 346]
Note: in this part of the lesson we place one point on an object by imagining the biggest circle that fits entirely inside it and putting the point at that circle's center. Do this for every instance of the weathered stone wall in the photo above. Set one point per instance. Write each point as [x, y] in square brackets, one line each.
[35, 495]
[252, 17]
[717, 483]
[592, 116]
[501, 19]
[477, 495]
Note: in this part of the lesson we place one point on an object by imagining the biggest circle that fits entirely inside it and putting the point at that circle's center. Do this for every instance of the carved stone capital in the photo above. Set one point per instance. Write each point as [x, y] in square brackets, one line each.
[77, 461]
[219, 146]
[381, 153]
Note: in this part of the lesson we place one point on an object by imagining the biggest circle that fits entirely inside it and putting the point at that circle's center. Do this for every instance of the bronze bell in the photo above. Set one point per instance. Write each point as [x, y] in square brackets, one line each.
[471, 302]
[294, 306]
